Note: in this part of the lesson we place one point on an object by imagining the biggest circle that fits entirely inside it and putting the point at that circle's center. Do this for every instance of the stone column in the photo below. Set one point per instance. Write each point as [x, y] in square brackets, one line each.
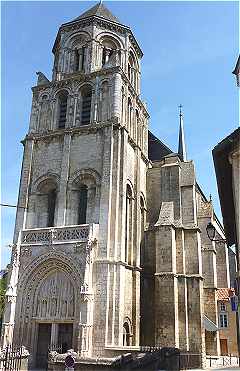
[116, 98]
[166, 289]
[24, 188]
[11, 295]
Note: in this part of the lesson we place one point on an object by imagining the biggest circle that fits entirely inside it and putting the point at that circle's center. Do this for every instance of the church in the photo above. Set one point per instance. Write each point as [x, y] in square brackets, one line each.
[110, 250]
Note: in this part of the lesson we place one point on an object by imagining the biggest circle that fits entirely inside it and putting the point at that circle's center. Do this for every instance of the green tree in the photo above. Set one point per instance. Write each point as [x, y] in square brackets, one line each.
[3, 287]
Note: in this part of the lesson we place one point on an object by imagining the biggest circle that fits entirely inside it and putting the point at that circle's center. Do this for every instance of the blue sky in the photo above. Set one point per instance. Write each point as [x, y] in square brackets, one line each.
[190, 50]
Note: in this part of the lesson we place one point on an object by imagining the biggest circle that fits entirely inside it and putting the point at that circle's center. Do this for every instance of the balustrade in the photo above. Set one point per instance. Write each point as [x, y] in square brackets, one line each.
[38, 236]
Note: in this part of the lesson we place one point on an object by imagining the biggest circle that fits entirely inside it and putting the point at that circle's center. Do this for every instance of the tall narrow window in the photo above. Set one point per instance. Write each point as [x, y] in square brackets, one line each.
[83, 59]
[104, 56]
[82, 214]
[77, 59]
[129, 115]
[126, 334]
[128, 225]
[51, 207]
[142, 225]
[62, 110]
[86, 106]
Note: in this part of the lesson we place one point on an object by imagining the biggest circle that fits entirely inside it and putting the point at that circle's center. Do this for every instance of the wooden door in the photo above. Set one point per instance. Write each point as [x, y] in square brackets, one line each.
[224, 347]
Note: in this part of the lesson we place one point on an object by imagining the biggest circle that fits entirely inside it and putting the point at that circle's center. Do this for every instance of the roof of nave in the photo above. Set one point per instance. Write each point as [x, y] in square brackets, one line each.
[98, 10]
[156, 149]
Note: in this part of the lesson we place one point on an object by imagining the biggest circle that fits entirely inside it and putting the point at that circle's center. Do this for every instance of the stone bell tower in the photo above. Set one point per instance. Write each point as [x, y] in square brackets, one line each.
[75, 272]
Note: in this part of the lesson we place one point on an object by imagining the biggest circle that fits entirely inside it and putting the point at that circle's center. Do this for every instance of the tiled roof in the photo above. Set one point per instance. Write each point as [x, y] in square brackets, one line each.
[224, 294]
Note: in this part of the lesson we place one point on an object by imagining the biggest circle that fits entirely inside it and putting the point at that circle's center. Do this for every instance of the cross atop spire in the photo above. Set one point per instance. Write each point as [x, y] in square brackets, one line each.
[181, 141]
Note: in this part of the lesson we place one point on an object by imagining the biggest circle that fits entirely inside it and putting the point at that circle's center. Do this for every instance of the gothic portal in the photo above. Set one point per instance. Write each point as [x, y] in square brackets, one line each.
[110, 249]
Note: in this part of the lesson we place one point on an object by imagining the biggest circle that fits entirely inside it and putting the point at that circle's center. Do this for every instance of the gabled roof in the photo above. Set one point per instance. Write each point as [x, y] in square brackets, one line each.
[98, 10]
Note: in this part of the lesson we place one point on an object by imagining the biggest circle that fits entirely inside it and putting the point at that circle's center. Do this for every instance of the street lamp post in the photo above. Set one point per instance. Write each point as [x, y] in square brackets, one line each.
[211, 232]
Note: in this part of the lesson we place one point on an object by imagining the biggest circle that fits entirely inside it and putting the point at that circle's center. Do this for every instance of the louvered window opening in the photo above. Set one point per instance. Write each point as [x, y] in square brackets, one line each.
[86, 110]
[62, 114]
[82, 214]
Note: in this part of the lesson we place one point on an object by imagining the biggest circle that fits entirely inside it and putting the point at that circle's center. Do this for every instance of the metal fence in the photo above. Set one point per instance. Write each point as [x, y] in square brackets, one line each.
[11, 358]
[227, 360]
[55, 348]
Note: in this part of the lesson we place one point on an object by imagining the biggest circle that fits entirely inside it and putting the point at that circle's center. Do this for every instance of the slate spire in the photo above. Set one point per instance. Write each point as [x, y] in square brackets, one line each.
[181, 140]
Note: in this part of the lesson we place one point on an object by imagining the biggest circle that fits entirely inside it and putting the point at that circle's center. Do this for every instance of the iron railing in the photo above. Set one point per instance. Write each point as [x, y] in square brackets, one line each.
[11, 358]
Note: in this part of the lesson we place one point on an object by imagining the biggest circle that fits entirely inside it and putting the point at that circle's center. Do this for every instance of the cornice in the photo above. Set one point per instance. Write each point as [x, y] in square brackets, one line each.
[78, 76]
[178, 275]
[86, 129]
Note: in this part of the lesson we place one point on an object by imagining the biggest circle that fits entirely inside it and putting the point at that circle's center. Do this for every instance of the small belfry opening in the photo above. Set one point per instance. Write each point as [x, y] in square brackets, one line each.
[79, 59]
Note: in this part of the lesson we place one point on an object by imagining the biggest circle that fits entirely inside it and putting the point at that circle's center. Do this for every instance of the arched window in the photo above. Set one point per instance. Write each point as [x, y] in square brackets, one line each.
[83, 198]
[126, 334]
[132, 69]
[109, 47]
[129, 114]
[52, 195]
[128, 225]
[46, 203]
[142, 226]
[137, 123]
[82, 209]
[62, 109]
[86, 105]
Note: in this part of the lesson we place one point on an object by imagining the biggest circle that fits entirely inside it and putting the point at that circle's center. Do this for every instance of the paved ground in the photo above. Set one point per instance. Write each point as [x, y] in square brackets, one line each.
[227, 368]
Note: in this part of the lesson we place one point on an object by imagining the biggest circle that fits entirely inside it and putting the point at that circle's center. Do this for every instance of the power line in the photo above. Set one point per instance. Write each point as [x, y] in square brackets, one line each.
[18, 207]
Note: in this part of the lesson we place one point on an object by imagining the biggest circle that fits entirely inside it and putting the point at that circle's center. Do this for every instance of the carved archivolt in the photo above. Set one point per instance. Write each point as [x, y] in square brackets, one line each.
[48, 177]
[85, 174]
[47, 263]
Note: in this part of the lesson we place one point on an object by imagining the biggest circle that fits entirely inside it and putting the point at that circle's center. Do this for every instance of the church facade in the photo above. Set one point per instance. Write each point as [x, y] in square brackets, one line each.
[110, 250]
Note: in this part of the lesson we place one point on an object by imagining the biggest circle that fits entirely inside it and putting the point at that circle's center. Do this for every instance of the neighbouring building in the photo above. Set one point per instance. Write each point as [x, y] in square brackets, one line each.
[110, 245]
[227, 323]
